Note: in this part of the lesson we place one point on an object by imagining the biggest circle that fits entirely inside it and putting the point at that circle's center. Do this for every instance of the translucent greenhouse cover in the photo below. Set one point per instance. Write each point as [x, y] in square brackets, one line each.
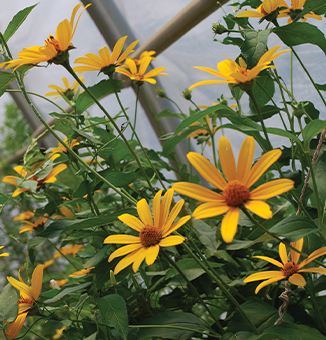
[195, 48]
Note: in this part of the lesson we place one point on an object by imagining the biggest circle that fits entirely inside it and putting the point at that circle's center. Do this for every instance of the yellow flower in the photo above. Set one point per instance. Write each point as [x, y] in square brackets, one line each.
[55, 49]
[30, 226]
[62, 282]
[3, 254]
[72, 249]
[68, 91]
[295, 10]
[62, 149]
[203, 132]
[137, 74]
[105, 62]
[143, 55]
[48, 263]
[289, 269]
[235, 191]
[267, 7]
[153, 232]
[82, 272]
[28, 175]
[235, 73]
[58, 332]
[28, 296]
[24, 216]
[66, 213]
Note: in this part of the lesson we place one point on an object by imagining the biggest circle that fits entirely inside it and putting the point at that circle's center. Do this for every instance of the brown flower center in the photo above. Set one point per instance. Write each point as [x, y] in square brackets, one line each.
[262, 10]
[235, 193]
[26, 300]
[150, 236]
[289, 269]
[52, 41]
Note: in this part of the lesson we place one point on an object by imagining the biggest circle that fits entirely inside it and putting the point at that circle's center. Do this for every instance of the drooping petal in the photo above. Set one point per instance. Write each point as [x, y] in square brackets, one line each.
[268, 282]
[21, 171]
[144, 212]
[263, 276]
[313, 270]
[55, 171]
[173, 240]
[132, 221]
[11, 180]
[156, 207]
[207, 170]
[295, 256]
[245, 158]
[19, 191]
[140, 258]
[198, 192]
[126, 261]
[122, 239]
[21, 286]
[283, 253]
[208, 82]
[227, 159]
[317, 253]
[15, 327]
[151, 254]
[36, 284]
[297, 279]
[272, 189]
[210, 209]
[250, 14]
[259, 208]
[262, 165]
[125, 250]
[270, 260]
[229, 224]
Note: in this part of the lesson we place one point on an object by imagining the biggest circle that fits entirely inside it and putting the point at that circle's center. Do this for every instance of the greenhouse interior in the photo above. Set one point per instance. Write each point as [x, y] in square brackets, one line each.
[163, 170]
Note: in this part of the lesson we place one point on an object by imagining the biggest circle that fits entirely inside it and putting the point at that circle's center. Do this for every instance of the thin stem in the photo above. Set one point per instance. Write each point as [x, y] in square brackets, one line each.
[135, 120]
[193, 289]
[55, 247]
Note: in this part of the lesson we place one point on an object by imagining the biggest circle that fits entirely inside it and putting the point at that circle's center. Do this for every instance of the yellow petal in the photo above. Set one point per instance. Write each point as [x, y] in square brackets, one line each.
[208, 82]
[283, 253]
[295, 256]
[21, 286]
[297, 279]
[268, 282]
[132, 221]
[229, 224]
[210, 209]
[272, 189]
[227, 159]
[181, 221]
[313, 270]
[250, 14]
[15, 327]
[122, 239]
[165, 206]
[246, 156]
[55, 171]
[20, 170]
[151, 254]
[259, 208]
[173, 240]
[139, 258]
[173, 215]
[144, 212]
[64, 34]
[125, 250]
[37, 279]
[207, 170]
[262, 165]
[156, 207]
[19, 191]
[263, 276]
[118, 48]
[197, 192]
[10, 180]
[270, 260]
[126, 261]
[317, 253]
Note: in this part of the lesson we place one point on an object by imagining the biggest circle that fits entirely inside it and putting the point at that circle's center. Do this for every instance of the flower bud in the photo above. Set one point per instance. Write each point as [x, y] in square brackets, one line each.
[186, 94]
[219, 28]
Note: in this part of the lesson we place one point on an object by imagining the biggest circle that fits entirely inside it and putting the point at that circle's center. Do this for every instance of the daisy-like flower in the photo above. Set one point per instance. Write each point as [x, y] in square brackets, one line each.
[3, 254]
[28, 175]
[295, 9]
[62, 149]
[203, 133]
[137, 73]
[66, 213]
[289, 269]
[55, 49]
[72, 249]
[235, 190]
[30, 226]
[235, 73]
[24, 216]
[68, 91]
[153, 231]
[82, 272]
[28, 297]
[267, 8]
[105, 62]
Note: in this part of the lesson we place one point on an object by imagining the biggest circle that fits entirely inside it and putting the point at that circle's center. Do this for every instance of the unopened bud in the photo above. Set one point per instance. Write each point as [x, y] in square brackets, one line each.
[113, 279]
[219, 28]
[160, 92]
[186, 94]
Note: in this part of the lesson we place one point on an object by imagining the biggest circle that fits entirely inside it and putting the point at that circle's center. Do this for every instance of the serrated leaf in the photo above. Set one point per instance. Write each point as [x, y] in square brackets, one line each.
[99, 90]
[16, 21]
[114, 313]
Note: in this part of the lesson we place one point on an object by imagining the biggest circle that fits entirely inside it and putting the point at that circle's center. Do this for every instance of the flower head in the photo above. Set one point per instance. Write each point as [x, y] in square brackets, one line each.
[30, 226]
[67, 92]
[137, 73]
[72, 249]
[82, 272]
[24, 216]
[153, 231]
[269, 10]
[3, 254]
[30, 177]
[235, 73]
[295, 10]
[203, 135]
[105, 62]
[143, 55]
[55, 49]
[28, 297]
[289, 269]
[235, 190]
[62, 149]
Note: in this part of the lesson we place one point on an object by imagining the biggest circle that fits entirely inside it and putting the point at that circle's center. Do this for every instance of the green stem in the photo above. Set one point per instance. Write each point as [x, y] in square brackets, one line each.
[136, 104]
[193, 289]
[55, 247]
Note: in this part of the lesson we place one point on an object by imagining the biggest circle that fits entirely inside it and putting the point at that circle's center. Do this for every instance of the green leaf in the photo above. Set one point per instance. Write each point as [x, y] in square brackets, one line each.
[63, 126]
[54, 229]
[65, 291]
[8, 303]
[16, 21]
[266, 84]
[254, 46]
[206, 235]
[99, 256]
[114, 313]
[321, 87]
[186, 320]
[294, 227]
[5, 79]
[311, 130]
[299, 33]
[316, 6]
[99, 90]
[168, 113]
[266, 111]
[284, 133]
[319, 168]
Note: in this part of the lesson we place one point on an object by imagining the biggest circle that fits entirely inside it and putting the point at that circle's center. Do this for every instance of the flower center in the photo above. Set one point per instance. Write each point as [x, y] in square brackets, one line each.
[29, 301]
[150, 236]
[289, 269]
[262, 10]
[235, 193]
[52, 41]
